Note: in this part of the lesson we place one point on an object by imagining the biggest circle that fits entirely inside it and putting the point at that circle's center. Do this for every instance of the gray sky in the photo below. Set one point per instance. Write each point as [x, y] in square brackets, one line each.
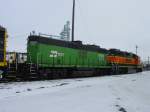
[121, 24]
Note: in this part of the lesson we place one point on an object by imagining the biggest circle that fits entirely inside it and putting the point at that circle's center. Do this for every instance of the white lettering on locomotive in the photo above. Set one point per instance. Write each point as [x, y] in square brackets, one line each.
[56, 54]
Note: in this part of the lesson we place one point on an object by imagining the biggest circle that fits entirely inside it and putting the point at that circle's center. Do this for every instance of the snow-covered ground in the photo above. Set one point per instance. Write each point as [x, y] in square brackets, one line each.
[126, 93]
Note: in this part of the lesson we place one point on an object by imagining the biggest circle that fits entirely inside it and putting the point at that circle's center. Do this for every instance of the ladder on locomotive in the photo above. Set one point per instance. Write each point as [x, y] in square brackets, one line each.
[32, 67]
[12, 69]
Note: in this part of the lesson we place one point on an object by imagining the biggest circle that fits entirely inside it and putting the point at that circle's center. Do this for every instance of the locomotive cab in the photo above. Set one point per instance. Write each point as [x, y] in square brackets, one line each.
[3, 63]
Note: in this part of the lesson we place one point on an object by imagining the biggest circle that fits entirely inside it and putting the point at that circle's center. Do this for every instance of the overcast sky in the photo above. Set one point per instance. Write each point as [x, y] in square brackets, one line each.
[121, 24]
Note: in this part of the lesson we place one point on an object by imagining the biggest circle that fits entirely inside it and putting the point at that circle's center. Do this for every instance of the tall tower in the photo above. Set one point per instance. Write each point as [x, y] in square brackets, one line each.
[65, 34]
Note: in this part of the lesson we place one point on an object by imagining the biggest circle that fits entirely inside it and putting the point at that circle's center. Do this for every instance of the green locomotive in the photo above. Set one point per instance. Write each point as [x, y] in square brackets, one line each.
[53, 57]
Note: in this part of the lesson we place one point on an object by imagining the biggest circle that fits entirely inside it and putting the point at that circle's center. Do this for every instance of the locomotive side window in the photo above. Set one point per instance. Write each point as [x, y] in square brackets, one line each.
[33, 42]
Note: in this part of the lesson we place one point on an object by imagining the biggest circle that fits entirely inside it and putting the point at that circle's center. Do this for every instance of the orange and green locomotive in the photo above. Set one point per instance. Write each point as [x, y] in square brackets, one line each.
[52, 58]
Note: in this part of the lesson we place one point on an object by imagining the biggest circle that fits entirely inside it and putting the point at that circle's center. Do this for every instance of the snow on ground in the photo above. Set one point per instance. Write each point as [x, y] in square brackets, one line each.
[126, 93]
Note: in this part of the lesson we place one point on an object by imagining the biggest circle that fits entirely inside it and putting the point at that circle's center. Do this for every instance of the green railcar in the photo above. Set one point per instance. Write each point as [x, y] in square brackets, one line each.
[47, 52]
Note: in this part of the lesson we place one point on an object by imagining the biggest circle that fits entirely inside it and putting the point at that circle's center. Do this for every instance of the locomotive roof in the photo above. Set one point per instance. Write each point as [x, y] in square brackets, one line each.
[2, 28]
[123, 53]
[75, 44]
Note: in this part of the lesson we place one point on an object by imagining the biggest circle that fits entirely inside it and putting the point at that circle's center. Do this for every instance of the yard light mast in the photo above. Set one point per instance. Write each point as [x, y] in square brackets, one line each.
[136, 49]
[73, 19]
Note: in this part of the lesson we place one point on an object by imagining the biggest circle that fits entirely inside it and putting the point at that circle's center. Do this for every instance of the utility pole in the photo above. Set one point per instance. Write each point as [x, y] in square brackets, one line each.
[148, 60]
[136, 49]
[73, 19]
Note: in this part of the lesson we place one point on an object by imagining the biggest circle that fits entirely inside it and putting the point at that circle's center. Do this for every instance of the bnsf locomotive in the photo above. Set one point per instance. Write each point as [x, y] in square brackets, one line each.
[51, 58]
